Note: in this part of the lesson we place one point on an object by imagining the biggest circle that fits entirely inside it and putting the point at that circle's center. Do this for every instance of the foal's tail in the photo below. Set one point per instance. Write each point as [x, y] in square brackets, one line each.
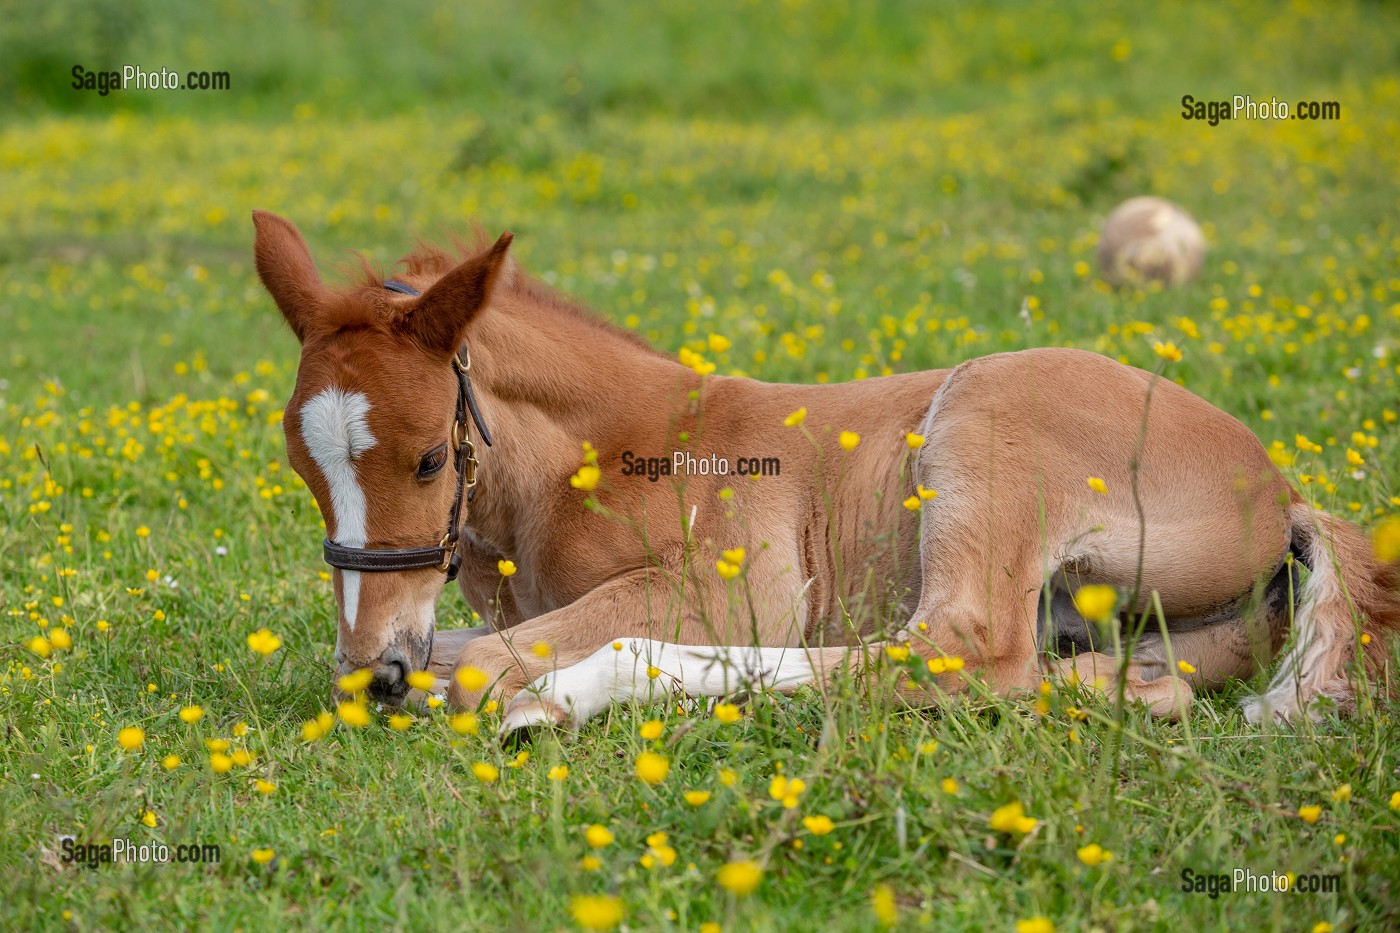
[1349, 601]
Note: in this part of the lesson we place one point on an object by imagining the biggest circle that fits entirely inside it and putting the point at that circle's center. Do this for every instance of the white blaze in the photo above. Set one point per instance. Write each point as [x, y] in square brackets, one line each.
[334, 428]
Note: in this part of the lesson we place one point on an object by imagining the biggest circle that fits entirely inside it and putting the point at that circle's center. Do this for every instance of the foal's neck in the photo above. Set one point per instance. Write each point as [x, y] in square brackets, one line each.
[551, 378]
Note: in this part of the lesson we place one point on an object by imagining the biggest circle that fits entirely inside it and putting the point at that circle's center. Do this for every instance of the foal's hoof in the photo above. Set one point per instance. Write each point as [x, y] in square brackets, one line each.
[1168, 698]
[528, 713]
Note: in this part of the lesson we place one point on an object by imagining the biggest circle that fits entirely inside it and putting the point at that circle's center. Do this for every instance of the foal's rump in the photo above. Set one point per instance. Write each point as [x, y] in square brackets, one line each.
[1064, 468]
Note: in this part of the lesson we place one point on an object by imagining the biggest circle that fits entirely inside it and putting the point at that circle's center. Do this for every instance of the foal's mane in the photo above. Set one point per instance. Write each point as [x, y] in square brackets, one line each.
[432, 262]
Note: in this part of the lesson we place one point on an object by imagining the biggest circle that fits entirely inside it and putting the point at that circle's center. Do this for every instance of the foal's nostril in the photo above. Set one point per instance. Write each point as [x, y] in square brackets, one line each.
[390, 678]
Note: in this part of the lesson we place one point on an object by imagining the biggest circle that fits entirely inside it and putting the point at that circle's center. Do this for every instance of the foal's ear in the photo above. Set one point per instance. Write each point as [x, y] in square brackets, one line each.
[287, 271]
[438, 321]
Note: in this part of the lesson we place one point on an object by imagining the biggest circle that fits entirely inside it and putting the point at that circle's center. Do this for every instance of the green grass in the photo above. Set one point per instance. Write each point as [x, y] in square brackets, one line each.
[841, 190]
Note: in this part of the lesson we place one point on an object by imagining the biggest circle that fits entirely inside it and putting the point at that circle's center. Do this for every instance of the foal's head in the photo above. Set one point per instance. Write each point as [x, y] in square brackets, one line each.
[370, 428]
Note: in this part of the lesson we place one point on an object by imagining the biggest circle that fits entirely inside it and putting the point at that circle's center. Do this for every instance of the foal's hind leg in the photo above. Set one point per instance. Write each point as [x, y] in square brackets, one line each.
[1166, 695]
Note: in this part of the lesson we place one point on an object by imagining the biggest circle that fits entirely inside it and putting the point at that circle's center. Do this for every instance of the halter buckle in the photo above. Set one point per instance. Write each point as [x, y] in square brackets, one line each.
[461, 434]
[449, 548]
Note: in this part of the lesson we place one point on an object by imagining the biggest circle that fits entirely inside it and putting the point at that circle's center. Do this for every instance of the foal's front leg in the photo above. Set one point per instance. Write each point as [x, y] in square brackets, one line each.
[638, 605]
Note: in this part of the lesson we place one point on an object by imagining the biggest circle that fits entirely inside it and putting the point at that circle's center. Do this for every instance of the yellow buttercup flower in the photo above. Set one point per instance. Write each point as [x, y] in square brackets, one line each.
[264, 787]
[696, 797]
[740, 878]
[882, 902]
[353, 714]
[1310, 814]
[818, 825]
[40, 646]
[1012, 818]
[131, 738]
[1094, 855]
[598, 836]
[596, 911]
[541, 649]
[558, 772]
[60, 639]
[1167, 351]
[1385, 540]
[652, 768]
[1096, 602]
[651, 729]
[470, 678]
[148, 817]
[421, 680]
[356, 682]
[263, 856]
[913, 503]
[848, 440]
[727, 570]
[728, 713]
[191, 714]
[915, 441]
[506, 567]
[400, 721]
[796, 418]
[1098, 485]
[170, 762]
[1035, 925]
[734, 555]
[264, 642]
[1186, 667]
[220, 763]
[485, 772]
[465, 723]
[586, 478]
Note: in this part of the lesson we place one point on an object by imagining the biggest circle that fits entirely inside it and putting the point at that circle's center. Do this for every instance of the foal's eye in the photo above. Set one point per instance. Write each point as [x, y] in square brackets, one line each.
[432, 462]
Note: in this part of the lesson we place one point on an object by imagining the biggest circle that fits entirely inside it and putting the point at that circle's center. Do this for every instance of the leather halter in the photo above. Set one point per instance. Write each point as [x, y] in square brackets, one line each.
[444, 556]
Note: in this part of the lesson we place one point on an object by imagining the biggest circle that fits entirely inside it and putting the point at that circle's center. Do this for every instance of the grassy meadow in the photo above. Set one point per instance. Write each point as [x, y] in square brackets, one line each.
[839, 190]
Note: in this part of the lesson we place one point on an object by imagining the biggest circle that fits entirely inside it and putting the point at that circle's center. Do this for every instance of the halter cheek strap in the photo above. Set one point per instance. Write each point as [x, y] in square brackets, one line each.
[444, 556]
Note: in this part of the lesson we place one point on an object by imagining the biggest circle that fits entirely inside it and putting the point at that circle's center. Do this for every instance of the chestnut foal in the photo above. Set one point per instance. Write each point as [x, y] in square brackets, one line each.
[617, 591]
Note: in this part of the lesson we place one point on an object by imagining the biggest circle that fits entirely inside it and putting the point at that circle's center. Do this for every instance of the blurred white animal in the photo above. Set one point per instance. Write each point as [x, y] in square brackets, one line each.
[1150, 239]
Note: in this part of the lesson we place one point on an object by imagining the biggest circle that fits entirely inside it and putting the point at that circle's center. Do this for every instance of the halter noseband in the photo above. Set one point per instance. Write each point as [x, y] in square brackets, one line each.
[444, 557]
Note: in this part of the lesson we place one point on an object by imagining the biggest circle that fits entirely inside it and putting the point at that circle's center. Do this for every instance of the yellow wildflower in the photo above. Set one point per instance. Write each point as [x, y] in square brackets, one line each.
[652, 768]
[1012, 818]
[740, 878]
[596, 911]
[1096, 602]
[727, 713]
